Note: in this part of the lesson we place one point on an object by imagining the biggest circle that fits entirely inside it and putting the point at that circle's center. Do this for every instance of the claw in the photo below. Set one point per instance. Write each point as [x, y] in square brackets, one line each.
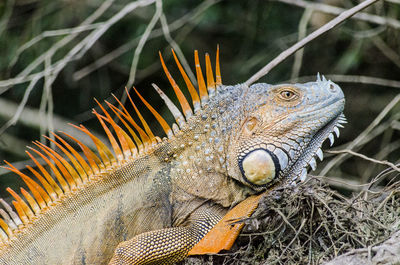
[303, 175]
[320, 154]
[336, 130]
[313, 164]
[331, 139]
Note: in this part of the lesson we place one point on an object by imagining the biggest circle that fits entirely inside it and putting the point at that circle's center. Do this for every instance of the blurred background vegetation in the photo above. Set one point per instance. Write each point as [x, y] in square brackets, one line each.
[56, 56]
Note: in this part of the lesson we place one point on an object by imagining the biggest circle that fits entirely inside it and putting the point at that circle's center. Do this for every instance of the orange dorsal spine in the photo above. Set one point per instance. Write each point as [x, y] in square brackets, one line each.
[192, 90]
[65, 170]
[210, 76]
[200, 78]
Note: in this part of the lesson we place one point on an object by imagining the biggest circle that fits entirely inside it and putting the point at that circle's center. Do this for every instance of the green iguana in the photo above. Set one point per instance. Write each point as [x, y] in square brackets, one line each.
[149, 200]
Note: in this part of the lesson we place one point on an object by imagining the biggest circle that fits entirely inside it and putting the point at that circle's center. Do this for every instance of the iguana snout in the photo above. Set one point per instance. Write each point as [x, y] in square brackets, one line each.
[278, 140]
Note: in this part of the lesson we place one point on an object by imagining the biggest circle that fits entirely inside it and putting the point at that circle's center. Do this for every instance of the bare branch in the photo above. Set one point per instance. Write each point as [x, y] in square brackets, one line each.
[53, 33]
[328, 26]
[20, 108]
[154, 34]
[6, 15]
[142, 42]
[25, 75]
[298, 57]
[363, 135]
[362, 79]
[29, 118]
[12, 144]
[178, 50]
[382, 162]
[334, 10]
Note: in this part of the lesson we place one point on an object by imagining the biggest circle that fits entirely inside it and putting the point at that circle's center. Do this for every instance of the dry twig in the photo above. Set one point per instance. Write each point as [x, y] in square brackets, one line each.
[328, 26]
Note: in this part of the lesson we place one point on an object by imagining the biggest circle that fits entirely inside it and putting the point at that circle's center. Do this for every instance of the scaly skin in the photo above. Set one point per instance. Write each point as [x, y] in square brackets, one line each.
[165, 199]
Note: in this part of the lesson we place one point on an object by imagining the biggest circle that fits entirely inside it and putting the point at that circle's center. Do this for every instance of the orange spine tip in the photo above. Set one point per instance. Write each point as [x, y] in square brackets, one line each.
[143, 135]
[33, 186]
[38, 193]
[57, 173]
[64, 173]
[81, 172]
[200, 78]
[72, 172]
[32, 202]
[138, 142]
[142, 120]
[93, 160]
[113, 141]
[218, 80]
[126, 143]
[101, 145]
[6, 228]
[111, 138]
[210, 75]
[21, 213]
[117, 129]
[104, 152]
[87, 170]
[25, 208]
[159, 118]
[181, 98]
[192, 90]
[52, 195]
[46, 174]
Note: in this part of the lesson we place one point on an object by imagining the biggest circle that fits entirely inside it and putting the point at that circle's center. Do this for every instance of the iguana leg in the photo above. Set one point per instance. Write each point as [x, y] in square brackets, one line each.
[170, 245]
[223, 235]
[165, 246]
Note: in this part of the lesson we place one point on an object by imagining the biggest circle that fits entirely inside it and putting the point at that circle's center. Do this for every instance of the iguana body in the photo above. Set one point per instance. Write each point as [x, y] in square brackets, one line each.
[163, 196]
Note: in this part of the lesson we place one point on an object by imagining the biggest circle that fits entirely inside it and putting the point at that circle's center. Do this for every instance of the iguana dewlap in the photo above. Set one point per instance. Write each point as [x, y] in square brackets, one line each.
[148, 200]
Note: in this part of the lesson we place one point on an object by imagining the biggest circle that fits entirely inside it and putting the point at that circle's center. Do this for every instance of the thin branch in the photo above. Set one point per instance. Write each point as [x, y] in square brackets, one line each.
[6, 15]
[360, 138]
[190, 17]
[177, 49]
[142, 42]
[53, 33]
[30, 117]
[328, 26]
[25, 75]
[391, 54]
[362, 79]
[334, 10]
[382, 162]
[75, 53]
[12, 145]
[298, 57]
[20, 108]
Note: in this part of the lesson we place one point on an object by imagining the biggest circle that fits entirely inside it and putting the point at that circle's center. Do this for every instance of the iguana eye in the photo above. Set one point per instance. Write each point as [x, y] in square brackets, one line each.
[288, 95]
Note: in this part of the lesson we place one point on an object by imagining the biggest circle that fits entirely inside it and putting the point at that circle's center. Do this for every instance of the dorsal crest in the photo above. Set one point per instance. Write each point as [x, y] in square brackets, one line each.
[68, 169]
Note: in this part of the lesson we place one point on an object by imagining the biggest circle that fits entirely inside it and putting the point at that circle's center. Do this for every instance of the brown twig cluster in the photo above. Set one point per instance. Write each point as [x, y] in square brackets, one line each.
[313, 224]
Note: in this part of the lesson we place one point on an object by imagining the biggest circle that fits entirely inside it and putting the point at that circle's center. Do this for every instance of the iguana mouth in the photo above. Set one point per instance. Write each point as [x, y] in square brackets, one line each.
[313, 149]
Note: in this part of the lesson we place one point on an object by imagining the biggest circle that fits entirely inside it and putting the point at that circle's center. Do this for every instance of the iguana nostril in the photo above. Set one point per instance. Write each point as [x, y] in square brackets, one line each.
[332, 88]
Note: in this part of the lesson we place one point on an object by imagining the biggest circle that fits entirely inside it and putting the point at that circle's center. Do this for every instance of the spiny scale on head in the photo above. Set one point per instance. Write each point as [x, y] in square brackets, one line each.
[313, 162]
[76, 171]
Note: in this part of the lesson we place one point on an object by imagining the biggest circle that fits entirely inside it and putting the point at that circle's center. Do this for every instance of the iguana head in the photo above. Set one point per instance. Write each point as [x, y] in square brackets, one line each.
[281, 129]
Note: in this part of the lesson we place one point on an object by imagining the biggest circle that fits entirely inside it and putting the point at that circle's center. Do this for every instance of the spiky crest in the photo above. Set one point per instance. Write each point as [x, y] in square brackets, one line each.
[74, 171]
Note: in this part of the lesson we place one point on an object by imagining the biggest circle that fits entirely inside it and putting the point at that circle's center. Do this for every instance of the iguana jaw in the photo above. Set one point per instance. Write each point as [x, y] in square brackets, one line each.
[313, 149]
